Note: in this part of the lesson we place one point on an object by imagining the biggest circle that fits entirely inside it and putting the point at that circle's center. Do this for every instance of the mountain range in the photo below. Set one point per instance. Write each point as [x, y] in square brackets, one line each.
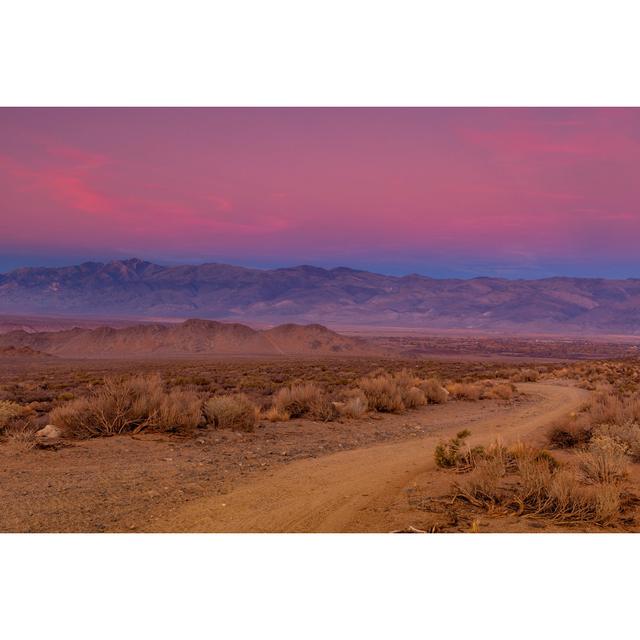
[338, 297]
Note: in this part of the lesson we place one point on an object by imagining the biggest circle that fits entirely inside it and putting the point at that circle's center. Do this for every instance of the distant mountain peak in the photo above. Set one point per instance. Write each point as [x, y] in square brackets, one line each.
[341, 296]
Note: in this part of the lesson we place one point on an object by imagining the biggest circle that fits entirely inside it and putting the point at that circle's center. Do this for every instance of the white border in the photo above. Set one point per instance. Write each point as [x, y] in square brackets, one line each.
[318, 586]
[324, 53]
[286, 52]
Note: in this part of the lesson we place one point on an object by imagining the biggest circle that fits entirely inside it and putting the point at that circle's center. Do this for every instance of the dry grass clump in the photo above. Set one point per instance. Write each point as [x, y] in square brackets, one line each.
[622, 377]
[20, 435]
[382, 393]
[179, 411]
[501, 391]
[413, 397]
[10, 412]
[408, 386]
[528, 482]
[526, 375]
[559, 496]
[604, 460]
[465, 390]
[434, 391]
[234, 411]
[79, 418]
[354, 406]
[274, 414]
[626, 433]
[456, 454]
[616, 416]
[607, 413]
[129, 405]
[393, 393]
[571, 431]
[606, 406]
[304, 400]
[43, 390]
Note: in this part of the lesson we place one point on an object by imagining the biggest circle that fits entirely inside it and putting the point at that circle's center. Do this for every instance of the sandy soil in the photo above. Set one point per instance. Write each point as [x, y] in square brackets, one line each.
[295, 476]
[364, 490]
[129, 483]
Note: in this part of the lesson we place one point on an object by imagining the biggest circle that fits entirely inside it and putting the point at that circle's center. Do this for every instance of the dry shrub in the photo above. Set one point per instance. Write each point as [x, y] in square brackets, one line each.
[10, 412]
[80, 418]
[571, 431]
[129, 405]
[20, 435]
[465, 390]
[382, 394]
[304, 400]
[482, 488]
[627, 433]
[559, 496]
[526, 375]
[408, 386]
[179, 411]
[413, 397]
[406, 379]
[604, 461]
[354, 406]
[233, 411]
[605, 407]
[510, 458]
[528, 482]
[395, 393]
[608, 414]
[273, 414]
[434, 391]
[502, 391]
[455, 453]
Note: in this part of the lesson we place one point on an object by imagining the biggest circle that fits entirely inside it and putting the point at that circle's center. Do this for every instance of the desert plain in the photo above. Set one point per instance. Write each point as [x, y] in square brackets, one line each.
[203, 426]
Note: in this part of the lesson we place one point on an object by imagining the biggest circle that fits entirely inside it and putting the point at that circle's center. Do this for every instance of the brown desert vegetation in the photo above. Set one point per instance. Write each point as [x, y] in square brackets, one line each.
[354, 405]
[319, 406]
[304, 400]
[591, 481]
[526, 481]
[434, 391]
[233, 411]
[129, 405]
[465, 391]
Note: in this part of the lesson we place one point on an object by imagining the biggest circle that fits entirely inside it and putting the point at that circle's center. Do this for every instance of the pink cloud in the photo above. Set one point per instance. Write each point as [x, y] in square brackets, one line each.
[73, 191]
[319, 182]
[221, 204]
[68, 183]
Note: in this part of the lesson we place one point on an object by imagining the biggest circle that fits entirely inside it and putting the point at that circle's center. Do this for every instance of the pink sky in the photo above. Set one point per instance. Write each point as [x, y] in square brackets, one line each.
[514, 192]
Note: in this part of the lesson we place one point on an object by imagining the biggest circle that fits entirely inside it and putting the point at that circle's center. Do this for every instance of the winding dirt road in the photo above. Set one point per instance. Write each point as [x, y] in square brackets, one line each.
[348, 491]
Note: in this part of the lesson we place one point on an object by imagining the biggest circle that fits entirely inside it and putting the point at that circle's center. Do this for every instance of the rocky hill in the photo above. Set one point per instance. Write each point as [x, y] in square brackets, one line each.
[195, 337]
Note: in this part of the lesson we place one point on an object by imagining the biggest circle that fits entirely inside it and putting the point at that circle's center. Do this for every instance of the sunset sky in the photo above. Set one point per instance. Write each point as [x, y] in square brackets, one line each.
[443, 192]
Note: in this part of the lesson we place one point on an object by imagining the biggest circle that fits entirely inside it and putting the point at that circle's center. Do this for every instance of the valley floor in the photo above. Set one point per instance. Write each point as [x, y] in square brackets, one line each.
[295, 476]
[369, 489]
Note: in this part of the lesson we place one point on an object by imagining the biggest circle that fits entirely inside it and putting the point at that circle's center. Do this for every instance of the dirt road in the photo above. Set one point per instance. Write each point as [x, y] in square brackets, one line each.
[348, 491]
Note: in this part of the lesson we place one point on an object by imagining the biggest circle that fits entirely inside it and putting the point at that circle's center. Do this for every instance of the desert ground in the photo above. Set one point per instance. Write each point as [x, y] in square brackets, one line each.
[476, 435]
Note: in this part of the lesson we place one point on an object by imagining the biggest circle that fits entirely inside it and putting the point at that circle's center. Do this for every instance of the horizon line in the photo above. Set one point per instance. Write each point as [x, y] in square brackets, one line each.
[175, 264]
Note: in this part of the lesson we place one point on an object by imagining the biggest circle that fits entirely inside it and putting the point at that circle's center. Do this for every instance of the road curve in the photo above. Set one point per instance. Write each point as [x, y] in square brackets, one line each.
[338, 492]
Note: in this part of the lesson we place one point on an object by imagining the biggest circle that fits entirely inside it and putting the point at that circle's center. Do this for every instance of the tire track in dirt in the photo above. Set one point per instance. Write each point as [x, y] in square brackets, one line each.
[347, 491]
